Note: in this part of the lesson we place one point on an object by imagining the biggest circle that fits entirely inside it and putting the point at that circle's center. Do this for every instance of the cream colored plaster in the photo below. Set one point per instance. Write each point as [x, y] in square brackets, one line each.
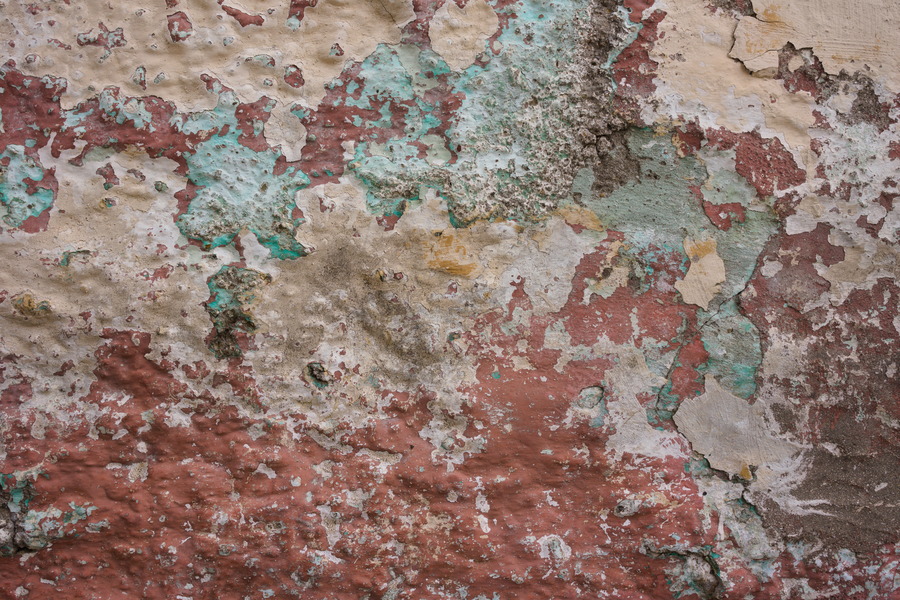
[285, 130]
[696, 79]
[87, 218]
[219, 46]
[380, 305]
[459, 34]
[732, 434]
[851, 36]
[633, 434]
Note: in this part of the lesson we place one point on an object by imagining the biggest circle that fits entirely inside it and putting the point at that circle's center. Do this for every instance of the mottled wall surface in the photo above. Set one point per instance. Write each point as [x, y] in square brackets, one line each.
[463, 299]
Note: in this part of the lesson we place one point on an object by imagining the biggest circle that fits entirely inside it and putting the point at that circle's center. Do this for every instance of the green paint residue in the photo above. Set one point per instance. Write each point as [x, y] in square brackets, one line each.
[593, 400]
[18, 172]
[735, 354]
[233, 290]
[394, 173]
[656, 213]
[16, 492]
[33, 529]
[659, 210]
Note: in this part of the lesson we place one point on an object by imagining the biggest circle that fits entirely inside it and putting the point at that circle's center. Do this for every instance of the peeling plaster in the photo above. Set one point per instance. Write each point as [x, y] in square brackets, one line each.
[465, 299]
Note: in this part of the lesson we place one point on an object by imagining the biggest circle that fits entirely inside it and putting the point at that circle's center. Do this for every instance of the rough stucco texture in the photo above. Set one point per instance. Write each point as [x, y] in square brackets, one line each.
[449, 299]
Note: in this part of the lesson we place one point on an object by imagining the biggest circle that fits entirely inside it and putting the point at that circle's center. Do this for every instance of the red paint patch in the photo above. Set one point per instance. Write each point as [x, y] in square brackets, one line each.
[243, 18]
[725, 215]
[293, 76]
[180, 27]
[764, 162]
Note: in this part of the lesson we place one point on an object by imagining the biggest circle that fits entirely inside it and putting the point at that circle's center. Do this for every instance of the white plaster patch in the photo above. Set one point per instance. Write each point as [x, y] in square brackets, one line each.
[732, 434]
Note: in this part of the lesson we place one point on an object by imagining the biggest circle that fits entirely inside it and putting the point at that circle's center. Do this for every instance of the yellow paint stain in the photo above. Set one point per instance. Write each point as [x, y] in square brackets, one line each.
[770, 14]
[26, 304]
[449, 255]
[583, 217]
[697, 249]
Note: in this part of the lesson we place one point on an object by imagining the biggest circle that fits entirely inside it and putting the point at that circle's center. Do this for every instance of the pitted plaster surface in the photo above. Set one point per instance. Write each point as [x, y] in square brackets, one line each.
[474, 299]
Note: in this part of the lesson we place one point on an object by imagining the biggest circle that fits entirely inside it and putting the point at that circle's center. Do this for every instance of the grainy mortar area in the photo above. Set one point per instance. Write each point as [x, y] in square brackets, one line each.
[449, 299]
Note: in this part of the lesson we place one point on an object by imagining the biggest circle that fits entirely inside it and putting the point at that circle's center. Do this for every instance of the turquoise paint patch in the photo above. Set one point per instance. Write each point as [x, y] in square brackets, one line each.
[394, 173]
[512, 128]
[386, 193]
[68, 255]
[665, 406]
[239, 190]
[725, 185]
[513, 114]
[20, 172]
[658, 209]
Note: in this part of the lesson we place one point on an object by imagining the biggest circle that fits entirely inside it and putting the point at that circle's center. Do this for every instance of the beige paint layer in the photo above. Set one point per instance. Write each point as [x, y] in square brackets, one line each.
[47, 43]
[706, 274]
[459, 34]
[697, 80]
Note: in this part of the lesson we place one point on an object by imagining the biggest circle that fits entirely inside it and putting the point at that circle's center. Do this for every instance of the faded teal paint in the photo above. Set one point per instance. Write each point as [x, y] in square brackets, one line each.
[19, 491]
[594, 399]
[735, 354]
[505, 154]
[69, 255]
[724, 184]
[216, 118]
[384, 78]
[313, 370]
[393, 173]
[232, 291]
[503, 144]
[659, 210]
[656, 213]
[38, 528]
[632, 30]
[18, 172]
[238, 187]
[665, 406]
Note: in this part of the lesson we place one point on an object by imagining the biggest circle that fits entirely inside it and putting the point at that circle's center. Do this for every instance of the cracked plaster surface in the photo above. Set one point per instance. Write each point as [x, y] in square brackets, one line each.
[454, 299]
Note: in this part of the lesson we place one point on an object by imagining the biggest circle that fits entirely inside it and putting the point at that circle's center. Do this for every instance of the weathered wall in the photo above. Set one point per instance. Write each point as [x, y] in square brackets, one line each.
[476, 299]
